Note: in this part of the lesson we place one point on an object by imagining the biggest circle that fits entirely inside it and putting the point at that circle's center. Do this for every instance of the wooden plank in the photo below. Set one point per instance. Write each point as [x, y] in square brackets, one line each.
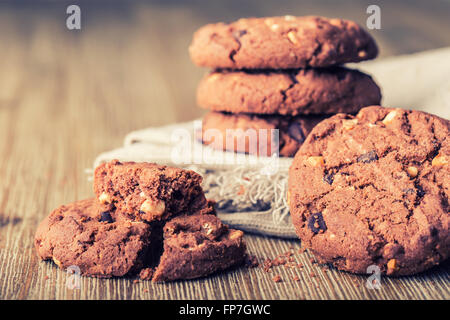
[67, 96]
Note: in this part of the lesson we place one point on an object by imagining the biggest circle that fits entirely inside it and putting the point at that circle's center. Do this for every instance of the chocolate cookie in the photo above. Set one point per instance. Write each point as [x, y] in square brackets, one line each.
[281, 43]
[149, 192]
[102, 241]
[196, 246]
[306, 91]
[256, 134]
[79, 234]
[373, 190]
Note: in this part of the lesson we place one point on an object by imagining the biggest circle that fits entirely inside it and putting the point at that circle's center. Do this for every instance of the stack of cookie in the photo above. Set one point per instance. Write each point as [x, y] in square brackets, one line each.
[279, 73]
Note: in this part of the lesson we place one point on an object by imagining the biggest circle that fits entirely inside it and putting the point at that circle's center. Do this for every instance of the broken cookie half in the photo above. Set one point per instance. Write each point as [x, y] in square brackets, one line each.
[105, 240]
[198, 245]
[148, 191]
[75, 235]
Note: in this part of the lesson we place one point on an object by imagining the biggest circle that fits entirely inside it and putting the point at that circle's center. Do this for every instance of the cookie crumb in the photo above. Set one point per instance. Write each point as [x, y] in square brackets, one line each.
[277, 278]
[146, 274]
[267, 265]
[392, 266]
[278, 261]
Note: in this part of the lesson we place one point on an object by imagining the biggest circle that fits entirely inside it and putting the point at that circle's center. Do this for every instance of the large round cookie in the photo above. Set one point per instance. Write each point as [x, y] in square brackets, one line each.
[244, 132]
[373, 190]
[304, 91]
[80, 235]
[281, 43]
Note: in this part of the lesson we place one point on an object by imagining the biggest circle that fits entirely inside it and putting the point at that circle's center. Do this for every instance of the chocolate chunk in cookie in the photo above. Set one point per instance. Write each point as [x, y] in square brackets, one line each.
[316, 223]
[367, 157]
[295, 131]
[105, 216]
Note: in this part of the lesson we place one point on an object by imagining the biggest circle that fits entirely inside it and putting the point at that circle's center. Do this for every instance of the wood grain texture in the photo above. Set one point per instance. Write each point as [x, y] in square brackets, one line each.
[66, 96]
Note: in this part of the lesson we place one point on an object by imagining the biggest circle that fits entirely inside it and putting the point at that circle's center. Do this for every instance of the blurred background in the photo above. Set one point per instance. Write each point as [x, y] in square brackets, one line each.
[128, 67]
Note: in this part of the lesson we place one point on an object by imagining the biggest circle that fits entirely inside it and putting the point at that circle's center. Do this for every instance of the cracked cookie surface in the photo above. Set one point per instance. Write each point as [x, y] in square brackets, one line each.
[196, 246]
[373, 190]
[263, 141]
[147, 191]
[281, 43]
[78, 235]
[289, 92]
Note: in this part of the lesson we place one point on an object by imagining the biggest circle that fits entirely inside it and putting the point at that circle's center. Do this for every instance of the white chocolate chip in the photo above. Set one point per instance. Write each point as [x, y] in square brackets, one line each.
[292, 37]
[362, 54]
[349, 124]
[269, 22]
[236, 234]
[289, 18]
[412, 171]
[315, 161]
[142, 194]
[208, 228]
[392, 266]
[104, 198]
[58, 263]
[439, 160]
[154, 208]
[389, 117]
[335, 22]
[201, 245]
[213, 77]
[274, 27]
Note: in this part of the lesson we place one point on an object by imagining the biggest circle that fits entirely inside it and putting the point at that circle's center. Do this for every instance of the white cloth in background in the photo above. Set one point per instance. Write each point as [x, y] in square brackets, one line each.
[251, 195]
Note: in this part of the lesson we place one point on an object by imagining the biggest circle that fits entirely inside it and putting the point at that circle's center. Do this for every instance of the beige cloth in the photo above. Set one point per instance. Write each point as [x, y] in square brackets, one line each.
[251, 195]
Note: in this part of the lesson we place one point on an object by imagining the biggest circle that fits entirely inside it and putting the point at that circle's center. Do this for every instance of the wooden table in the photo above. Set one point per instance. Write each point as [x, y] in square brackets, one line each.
[66, 96]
